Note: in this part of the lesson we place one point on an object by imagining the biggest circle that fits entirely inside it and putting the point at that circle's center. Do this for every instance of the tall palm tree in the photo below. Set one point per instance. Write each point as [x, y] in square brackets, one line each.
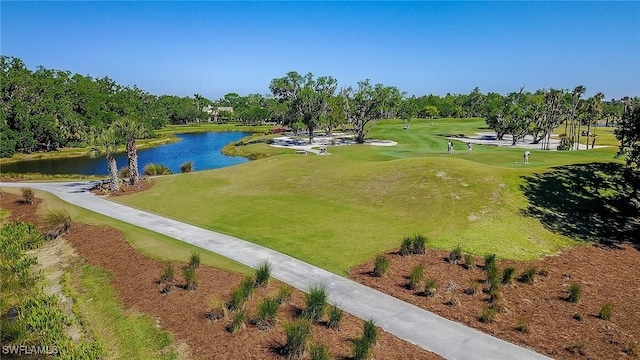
[129, 130]
[105, 143]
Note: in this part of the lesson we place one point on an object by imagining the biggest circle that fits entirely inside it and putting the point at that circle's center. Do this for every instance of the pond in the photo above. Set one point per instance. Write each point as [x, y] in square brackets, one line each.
[203, 149]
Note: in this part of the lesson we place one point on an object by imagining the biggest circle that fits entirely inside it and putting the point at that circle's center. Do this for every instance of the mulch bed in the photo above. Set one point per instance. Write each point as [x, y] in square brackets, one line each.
[183, 312]
[604, 274]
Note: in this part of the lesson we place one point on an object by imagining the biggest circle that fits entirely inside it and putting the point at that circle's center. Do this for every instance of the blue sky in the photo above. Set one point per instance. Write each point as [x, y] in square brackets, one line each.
[213, 48]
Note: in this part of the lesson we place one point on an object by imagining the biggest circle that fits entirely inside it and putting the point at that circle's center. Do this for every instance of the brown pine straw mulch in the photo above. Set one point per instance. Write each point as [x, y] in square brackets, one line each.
[183, 313]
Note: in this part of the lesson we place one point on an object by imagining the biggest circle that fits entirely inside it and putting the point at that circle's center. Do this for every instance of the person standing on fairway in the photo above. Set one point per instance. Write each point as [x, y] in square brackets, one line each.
[526, 157]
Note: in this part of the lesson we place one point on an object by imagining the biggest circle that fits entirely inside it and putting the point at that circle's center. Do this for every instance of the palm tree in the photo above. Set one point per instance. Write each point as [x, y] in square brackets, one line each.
[594, 109]
[129, 130]
[105, 143]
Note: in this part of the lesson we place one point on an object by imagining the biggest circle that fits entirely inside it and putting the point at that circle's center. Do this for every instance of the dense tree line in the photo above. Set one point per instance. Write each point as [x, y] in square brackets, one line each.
[46, 109]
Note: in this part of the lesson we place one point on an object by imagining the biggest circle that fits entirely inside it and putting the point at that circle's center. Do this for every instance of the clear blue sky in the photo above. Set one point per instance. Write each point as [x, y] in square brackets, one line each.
[213, 48]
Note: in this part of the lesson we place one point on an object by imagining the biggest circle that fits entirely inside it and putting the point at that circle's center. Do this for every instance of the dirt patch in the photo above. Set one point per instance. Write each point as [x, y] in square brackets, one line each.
[183, 312]
[604, 275]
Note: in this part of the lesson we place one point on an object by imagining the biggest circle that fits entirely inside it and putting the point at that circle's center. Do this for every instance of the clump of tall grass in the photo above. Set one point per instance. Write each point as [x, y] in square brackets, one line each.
[416, 277]
[528, 276]
[418, 245]
[218, 310]
[316, 301]
[319, 351]
[522, 324]
[267, 310]
[605, 311]
[166, 278]
[455, 255]
[298, 334]
[285, 294]
[152, 169]
[491, 267]
[405, 247]
[186, 167]
[247, 286]
[361, 347]
[431, 287]
[263, 273]
[28, 196]
[56, 223]
[190, 278]
[473, 289]
[123, 173]
[468, 262]
[381, 266]
[335, 316]
[575, 291]
[370, 332]
[507, 275]
[194, 260]
[489, 314]
[239, 321]
[237, 300]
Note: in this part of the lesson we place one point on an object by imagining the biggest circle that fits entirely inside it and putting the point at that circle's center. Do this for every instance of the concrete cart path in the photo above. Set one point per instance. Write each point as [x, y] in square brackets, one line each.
[425, 329]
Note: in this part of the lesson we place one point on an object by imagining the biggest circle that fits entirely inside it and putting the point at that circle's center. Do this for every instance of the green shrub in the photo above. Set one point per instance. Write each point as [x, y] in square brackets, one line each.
[473, 289]
[152, 169]
[468, 261]
[167, 275]
[190, 278]
[508, 274]
[186, 167]
[605, 311]
[491, 267]
[370, 332]
[522, 324]
[381, 266]
[239, 321]
[247, 286]
[319, 351]
[494, 291]
[263, 273]
[123, 173]
[28, 196]
[455, 255]
[575, 291]
[630, 347]
[418, 245]
[335, 316]
[218, 310]
[56, 223]
[194, 260]
[315, 301]
[489, 314]
[416, 276]
[285, 294]
[405, 247]
[431, 287]
[237, 300]
[267, 310]
[528, 276]
[298, 334]
[361, 349]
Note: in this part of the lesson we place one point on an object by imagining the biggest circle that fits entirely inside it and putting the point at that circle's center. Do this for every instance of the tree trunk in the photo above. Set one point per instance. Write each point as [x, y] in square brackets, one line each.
[114, 182]
[310, 129]
[132, 156]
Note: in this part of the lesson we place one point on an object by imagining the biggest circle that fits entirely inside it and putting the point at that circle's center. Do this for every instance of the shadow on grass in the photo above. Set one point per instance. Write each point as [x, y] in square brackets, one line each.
[592, 202]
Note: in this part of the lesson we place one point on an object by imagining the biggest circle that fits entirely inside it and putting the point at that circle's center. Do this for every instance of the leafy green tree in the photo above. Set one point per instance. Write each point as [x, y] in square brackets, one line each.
[628, 132]
[129, 130]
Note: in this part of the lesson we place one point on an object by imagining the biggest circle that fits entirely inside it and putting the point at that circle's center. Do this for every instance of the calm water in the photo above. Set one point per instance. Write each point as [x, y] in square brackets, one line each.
[204, 149]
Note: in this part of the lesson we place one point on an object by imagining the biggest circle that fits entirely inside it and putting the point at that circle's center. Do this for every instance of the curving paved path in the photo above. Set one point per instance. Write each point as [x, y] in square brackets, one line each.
[449, 339]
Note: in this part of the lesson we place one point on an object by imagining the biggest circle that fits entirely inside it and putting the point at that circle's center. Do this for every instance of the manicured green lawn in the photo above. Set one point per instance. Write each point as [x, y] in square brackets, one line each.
[338, 211]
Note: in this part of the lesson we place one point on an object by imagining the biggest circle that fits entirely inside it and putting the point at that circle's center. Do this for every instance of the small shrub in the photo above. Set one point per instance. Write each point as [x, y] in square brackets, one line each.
[528, 276]
[247, 287]
[194, 260]
[123, 173]
[574, 293]
[489, 314]
[267, 310]
[319, 351]
[315, 303]
[494, 291]
[577, 346]
[491, 267]
[361, 349]
[431, 287]
[285, 294]
[218, 310]
[416, 276]
[28, 196]
[522, 324]
[239, 321]
[370, 333]
[473, 289]
[263, 273]
[381, 267]
[418, 245]
[405, 247]
[237, 300]
[507, 275]
[298, 334]
[152, 169]
[335, 316]
[190, 278]
[468, 261]
[605, 311]
[186, 167]
[456, 255]
[56, 223]
[630, 347]
[167, 276]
